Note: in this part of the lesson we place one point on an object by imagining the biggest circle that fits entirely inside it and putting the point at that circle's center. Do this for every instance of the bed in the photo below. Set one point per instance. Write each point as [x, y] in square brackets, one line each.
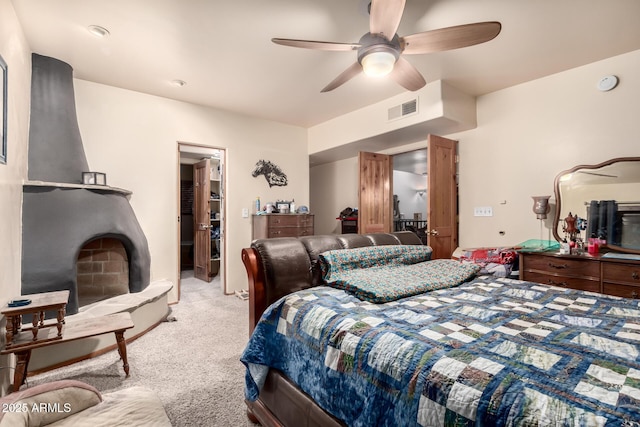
[487, 351]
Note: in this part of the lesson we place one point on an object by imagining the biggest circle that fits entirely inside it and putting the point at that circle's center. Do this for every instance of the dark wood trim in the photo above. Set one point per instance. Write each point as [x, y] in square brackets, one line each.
[556, 192]
[257, 290]
[615, 248]
[258, 412]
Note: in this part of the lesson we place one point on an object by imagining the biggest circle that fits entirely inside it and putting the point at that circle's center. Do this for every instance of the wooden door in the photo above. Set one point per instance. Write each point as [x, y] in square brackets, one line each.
[442, 200]
[202, 220]
[375, 200]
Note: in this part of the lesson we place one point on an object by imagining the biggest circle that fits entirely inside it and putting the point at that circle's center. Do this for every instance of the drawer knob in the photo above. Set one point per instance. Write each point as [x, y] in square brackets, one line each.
[554, 283]
[558, 266]
[635, 275]
[634, 294]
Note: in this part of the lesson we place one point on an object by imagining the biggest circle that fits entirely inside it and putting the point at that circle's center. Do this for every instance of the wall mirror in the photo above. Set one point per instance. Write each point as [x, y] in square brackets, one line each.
[607, 197]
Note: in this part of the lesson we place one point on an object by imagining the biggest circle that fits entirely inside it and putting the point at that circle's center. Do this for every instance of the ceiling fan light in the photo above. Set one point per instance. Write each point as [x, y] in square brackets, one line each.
[378, 64]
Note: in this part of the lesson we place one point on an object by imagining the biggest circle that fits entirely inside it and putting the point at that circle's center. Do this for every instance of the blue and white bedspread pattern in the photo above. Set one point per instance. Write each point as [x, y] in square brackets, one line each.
[493, 352]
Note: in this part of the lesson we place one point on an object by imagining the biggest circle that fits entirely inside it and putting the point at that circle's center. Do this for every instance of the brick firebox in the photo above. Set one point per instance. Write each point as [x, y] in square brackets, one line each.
[103, 270]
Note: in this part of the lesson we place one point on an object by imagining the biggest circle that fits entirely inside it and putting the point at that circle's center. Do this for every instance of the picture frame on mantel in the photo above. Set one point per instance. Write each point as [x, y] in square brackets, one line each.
[3, 111]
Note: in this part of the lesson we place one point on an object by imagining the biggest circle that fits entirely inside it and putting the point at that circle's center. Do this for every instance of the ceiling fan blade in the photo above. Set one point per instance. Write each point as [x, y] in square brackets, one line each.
[450, 37]
[407, 76]
[344, 77]
[385, 17]
[318, 45]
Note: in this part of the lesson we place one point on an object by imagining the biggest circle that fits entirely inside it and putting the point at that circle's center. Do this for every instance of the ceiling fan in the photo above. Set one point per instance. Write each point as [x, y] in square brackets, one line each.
[380, 50]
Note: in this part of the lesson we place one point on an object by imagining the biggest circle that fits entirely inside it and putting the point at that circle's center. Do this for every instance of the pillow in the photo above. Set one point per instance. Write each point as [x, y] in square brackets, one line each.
[343, 260]
[47, 403]
[498, 262]
[490, 255]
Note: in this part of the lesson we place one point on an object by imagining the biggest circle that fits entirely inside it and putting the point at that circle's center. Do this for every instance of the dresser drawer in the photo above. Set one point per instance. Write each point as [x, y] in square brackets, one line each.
[290, 220]
[626, 291]
[562, 281]
[621, 273]
[564, 266]
[289, 232]
[282, 225]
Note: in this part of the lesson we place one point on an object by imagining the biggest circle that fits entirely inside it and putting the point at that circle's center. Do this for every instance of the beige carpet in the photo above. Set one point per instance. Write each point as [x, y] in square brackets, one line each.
[192, 363]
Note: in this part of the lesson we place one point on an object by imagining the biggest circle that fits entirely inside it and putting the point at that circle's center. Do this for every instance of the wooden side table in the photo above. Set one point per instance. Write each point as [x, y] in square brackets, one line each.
[47, 301]
[116, 323]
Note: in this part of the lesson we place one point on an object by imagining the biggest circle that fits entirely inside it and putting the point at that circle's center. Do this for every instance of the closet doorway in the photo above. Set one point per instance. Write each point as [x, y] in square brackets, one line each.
[410, 192]
[201, 204]
[376, 195]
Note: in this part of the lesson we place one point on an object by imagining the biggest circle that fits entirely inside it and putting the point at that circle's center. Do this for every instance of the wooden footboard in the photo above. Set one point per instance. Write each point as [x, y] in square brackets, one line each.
[257, 292]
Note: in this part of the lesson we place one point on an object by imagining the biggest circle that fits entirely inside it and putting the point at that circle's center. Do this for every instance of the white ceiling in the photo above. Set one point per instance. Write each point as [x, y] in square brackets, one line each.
[222, 49]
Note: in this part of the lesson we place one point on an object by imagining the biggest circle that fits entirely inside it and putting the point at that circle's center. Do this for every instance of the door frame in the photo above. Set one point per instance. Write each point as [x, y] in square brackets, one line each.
[454, 171]
[442, 223]
[204, 150]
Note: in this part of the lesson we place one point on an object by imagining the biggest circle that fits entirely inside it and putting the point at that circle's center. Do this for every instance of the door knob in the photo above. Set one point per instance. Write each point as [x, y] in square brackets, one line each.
[433, 232]
[204, 226]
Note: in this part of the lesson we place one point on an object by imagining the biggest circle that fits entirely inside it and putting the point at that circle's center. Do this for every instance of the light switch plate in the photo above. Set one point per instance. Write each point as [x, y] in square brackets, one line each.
[483, 211]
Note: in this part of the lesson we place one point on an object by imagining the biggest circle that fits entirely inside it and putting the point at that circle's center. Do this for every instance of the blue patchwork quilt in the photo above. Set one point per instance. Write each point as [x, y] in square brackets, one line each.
[491, 352]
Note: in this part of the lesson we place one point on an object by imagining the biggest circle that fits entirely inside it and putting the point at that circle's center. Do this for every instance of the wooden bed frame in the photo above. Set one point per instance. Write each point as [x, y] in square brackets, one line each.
[281, 403]
[261, 411]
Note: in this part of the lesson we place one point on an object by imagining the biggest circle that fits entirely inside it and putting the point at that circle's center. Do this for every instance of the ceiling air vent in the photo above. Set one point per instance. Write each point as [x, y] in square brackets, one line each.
[403, 110]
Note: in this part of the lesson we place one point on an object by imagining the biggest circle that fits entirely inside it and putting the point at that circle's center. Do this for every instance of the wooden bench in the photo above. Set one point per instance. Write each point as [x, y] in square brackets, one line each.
[23, 343]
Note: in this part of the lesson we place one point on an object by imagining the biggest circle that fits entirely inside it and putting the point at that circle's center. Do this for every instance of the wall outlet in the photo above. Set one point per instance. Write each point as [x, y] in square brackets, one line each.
[245, 213]
[483, 211]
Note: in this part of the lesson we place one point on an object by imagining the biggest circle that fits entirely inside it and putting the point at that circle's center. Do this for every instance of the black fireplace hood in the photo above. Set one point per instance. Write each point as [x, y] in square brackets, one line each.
[60, 214]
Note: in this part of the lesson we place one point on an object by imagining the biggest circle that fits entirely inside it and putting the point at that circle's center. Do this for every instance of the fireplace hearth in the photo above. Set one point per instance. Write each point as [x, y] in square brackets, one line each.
[61, 215]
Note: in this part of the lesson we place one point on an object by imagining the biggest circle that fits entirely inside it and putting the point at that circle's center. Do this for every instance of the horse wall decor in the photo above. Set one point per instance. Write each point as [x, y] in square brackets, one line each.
[272, 173]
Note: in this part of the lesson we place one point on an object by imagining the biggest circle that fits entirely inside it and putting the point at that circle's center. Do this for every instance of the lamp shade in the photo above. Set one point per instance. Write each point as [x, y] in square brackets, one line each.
[378, 64]
[541, 206]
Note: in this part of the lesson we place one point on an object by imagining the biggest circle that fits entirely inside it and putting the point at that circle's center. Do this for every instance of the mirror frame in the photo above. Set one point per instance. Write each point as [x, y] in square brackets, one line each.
[556, 190]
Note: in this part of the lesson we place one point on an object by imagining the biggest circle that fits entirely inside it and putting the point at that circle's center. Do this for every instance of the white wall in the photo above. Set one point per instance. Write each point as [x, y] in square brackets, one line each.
[405, 186]
[17, 55]
[526, 135]
[133, 137]
[335, 187]
[529, 133]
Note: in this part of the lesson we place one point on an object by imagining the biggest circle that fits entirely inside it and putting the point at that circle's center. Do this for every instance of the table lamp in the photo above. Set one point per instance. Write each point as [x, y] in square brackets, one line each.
[541, 208]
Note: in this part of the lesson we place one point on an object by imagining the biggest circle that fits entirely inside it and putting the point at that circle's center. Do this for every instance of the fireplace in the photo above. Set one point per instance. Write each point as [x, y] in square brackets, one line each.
[61, 215]
[102, 271]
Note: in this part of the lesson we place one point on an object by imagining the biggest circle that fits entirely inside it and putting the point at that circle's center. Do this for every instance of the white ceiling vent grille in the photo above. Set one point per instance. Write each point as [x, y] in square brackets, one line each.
[403, 110]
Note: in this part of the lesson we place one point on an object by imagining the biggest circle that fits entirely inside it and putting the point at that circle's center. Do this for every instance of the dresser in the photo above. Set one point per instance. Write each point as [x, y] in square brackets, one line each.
[611, 276]
[282, 225]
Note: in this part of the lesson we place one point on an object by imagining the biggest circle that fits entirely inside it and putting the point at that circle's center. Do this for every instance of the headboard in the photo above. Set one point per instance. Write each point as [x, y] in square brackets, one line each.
[277, 267]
